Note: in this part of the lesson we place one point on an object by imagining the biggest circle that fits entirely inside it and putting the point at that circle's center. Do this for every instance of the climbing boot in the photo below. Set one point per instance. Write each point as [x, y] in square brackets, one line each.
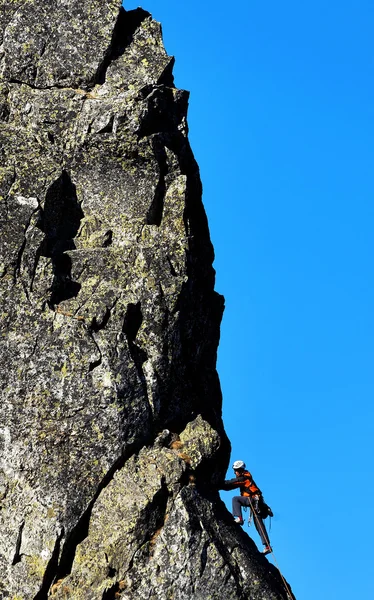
[267, 550]
[239, 520]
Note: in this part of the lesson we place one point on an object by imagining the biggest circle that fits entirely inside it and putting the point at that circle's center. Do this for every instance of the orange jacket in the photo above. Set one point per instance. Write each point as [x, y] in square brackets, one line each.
[245, 483]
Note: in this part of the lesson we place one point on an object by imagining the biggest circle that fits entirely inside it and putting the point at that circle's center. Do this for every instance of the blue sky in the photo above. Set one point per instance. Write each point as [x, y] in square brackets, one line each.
[281, 123]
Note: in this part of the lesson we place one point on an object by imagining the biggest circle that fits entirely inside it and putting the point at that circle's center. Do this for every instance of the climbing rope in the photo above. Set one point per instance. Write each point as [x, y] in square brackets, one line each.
[260, 524]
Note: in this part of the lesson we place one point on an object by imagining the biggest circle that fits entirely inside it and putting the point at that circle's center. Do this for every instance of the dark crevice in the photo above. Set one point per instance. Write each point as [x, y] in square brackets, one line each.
[96, 363]
[96, 325]
[172, 270]
[165, 111]
[195, 219]
[154, 215]
[51, 570]
[4, 110]
[17, 556]
[195, 366]
[204, 557]
[63, 287]
[20, 82]
[167, 77]
[131, 325]
[123, 34]
[132, 321]
[159, 504]
[60, 221]
[111, 572]
[155, 514]
[80, 531]
[145, 91]
[108, 239]
[36, 87]
[131, 561]
[139, 357]
[151, 521]
[17, 268]
[51, 137]
[108, 128]
[111, 593]
[165, 81]
[99, 324]
[154, 518]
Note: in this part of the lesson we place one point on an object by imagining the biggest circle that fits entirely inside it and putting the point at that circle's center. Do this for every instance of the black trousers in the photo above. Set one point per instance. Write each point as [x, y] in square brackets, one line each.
[237, 503]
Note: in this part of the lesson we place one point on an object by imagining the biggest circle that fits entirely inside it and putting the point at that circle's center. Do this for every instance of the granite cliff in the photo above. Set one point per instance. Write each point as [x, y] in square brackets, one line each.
[111, 439]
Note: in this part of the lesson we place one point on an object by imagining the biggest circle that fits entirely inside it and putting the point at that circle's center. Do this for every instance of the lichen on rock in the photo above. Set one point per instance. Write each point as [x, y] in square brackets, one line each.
[111, 439]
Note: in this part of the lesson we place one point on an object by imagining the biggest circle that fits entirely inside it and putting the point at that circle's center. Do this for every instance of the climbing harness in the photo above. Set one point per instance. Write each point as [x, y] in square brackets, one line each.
[270, 515]
[260, 524]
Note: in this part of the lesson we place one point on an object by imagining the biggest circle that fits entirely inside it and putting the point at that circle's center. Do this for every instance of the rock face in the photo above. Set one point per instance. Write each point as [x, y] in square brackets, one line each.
[111, 440]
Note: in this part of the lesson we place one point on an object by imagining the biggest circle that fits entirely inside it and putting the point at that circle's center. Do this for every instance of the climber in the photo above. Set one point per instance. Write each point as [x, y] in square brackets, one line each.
[250, 495]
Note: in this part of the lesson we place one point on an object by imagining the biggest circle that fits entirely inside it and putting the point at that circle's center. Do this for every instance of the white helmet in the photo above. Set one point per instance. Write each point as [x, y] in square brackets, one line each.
[238, 464]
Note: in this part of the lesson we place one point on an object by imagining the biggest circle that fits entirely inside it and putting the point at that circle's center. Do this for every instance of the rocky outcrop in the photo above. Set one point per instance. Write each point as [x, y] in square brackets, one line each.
[111, 439]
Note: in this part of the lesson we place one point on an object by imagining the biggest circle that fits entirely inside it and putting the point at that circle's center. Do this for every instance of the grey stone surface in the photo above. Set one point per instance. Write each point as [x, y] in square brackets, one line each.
[111, 438]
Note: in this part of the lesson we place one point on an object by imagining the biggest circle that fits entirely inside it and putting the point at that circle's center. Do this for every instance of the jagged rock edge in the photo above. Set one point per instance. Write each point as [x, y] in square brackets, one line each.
[112, 52]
